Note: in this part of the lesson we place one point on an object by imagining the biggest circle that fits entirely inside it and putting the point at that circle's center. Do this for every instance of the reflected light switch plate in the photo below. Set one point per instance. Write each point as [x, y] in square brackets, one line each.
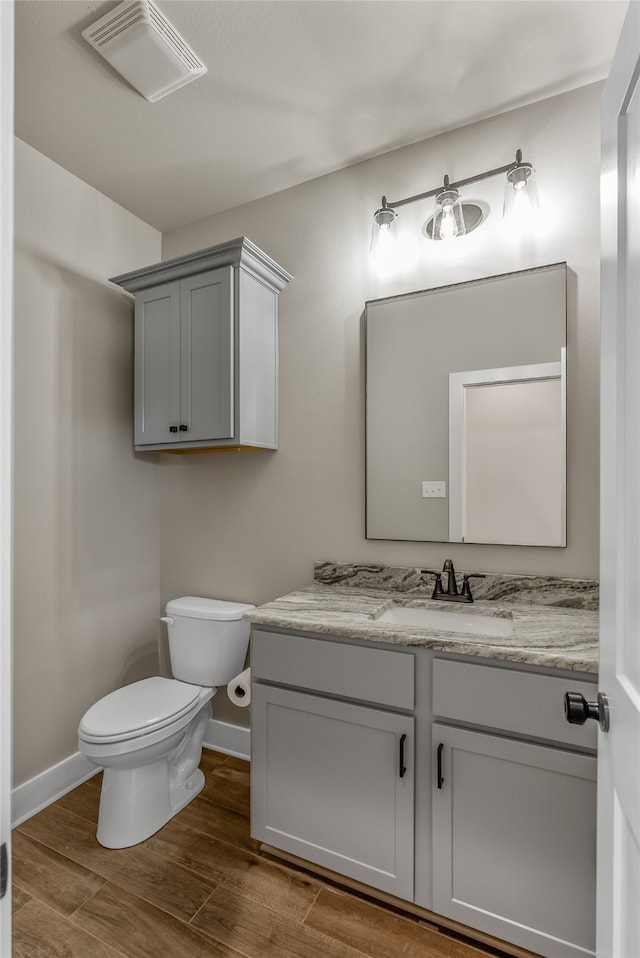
[434, 490]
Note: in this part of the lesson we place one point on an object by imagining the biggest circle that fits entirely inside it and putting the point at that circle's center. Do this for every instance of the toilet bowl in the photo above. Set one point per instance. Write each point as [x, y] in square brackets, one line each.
[148, 736]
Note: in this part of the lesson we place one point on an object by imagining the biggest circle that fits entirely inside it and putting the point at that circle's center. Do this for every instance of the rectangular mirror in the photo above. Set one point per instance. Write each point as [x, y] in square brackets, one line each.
[466, 411]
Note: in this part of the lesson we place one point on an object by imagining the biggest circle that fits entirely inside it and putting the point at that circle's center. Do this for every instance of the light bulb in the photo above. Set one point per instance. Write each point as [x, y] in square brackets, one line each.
[385, 244]
[384, 240]
[448, 220]
[448, 228]
[521, 206]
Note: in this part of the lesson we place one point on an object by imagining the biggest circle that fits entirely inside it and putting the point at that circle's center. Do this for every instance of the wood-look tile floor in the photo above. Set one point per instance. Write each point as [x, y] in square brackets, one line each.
[197, 888]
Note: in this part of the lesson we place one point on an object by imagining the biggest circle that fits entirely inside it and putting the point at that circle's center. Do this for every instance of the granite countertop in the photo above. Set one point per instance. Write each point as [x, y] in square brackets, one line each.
[559, 630]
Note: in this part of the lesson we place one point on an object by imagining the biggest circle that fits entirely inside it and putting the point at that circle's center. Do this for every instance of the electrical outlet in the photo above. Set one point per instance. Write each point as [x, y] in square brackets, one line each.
[434, 490]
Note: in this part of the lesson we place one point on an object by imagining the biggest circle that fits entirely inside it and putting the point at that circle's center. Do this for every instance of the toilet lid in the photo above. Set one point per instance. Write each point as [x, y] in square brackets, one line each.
[141, 707]
[195, 607]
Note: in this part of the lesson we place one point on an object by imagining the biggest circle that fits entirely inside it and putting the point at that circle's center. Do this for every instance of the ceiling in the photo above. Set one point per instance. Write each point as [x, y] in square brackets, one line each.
[294, 89]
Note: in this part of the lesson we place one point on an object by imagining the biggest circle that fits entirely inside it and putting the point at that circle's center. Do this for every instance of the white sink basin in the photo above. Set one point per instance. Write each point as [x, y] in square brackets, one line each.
[470, 623]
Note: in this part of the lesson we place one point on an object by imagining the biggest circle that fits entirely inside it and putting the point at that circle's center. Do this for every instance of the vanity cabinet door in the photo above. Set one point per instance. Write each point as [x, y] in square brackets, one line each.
[514, 840]
[332, 782]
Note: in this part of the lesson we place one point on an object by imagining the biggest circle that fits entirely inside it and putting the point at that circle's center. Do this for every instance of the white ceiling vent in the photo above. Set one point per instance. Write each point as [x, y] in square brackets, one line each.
[140, 43]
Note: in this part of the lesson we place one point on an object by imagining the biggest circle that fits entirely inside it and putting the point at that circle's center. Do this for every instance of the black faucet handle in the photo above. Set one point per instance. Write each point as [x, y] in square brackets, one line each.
[437, 588]
[466, 589]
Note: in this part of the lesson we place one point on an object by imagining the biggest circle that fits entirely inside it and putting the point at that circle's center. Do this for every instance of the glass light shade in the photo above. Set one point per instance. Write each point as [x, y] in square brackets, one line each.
[384, 237]
[521, 204]
[448, 218]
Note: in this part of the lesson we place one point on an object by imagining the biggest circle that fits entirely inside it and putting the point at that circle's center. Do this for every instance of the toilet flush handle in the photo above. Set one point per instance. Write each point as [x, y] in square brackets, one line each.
[167, 619]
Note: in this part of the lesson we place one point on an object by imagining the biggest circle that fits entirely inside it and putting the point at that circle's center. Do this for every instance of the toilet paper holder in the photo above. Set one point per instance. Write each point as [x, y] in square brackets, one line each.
[239, 689]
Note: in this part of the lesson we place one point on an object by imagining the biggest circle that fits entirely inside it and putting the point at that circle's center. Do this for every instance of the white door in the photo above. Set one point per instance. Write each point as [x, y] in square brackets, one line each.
[618, 911]
[6, 416]
[507, 459]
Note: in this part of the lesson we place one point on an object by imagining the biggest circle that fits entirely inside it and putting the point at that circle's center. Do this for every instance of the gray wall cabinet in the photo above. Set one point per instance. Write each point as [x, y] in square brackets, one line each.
[206, 350]
[453, 783]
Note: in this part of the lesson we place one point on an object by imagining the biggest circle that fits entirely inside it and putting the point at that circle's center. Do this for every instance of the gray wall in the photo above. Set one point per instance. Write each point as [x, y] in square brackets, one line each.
[87, 556]
[104, 536]
[249, 527]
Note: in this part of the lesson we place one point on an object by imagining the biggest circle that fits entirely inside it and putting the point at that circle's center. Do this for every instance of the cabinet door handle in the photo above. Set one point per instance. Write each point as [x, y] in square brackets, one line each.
[439, 778]
[4, 870]
[173, 428]
[403, 767]
[183, 428]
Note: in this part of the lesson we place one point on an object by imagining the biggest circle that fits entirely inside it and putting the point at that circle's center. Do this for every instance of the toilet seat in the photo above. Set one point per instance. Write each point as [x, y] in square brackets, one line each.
[139, 709]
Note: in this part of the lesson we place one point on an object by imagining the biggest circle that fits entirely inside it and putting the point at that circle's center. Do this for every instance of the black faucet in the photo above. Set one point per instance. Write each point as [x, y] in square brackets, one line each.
[451, 594]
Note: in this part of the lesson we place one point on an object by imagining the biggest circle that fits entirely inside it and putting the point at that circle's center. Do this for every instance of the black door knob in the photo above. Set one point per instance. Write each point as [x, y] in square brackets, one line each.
[577, 710]
[173, 428]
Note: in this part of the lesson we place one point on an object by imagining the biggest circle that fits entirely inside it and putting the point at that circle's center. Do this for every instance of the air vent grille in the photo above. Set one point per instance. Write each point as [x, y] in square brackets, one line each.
[112, 25]
[173, 38]
[144, 47]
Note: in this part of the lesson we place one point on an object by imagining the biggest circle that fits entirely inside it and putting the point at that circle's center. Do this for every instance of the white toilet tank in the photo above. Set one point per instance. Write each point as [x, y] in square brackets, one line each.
[208, 639]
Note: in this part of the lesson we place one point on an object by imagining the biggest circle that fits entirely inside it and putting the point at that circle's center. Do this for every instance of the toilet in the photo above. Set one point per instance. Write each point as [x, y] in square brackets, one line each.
[148, 736]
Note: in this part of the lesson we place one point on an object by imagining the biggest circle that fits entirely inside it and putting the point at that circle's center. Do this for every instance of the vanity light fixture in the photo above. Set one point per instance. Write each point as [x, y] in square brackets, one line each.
[384, 238]
[452, 218]
[520, 191]
[448, 218]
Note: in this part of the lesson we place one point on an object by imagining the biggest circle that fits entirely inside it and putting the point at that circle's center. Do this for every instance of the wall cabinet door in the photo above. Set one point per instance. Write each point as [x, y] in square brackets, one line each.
[332, 783]
[184, 360]
[206, 356]
[514, 840]
[157, 363]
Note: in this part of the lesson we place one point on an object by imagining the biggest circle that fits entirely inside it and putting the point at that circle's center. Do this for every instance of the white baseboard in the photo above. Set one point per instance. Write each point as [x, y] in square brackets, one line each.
[34, 795]
[227, 738]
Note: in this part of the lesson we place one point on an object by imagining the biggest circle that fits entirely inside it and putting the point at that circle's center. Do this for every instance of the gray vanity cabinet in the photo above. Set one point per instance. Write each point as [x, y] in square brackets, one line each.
[513, 820]
[449, 781]
[206, 350]
[333, 780]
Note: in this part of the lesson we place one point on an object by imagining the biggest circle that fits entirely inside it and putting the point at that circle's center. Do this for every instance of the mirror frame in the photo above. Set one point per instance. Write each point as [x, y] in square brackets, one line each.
[562, 336]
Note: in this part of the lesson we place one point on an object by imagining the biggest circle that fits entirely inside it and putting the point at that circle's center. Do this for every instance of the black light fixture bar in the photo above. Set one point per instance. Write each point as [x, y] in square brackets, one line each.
[393, 204]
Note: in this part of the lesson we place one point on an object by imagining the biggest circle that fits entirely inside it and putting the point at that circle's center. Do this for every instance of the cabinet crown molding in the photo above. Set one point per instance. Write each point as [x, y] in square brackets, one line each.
[237, 252]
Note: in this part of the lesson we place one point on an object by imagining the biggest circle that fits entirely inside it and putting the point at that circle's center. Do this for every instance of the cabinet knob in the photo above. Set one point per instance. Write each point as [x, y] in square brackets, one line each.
[183, 427]
[577, 710]
[173, 428]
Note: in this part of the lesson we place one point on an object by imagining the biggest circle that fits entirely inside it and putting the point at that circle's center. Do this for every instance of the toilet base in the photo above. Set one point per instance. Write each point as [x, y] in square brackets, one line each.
[136, 802]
